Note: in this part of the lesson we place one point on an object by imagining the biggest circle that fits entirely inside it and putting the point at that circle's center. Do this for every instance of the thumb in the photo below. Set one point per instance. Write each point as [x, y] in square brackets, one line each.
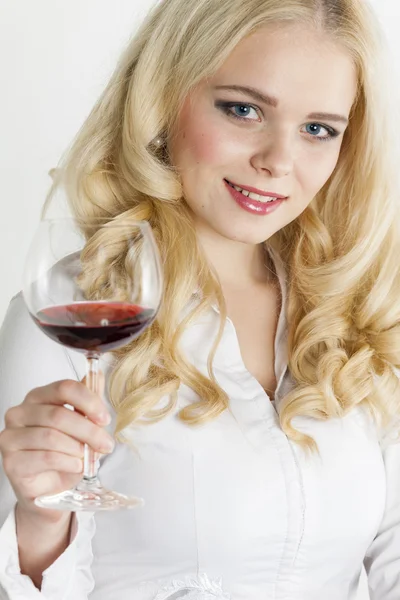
[97, 384]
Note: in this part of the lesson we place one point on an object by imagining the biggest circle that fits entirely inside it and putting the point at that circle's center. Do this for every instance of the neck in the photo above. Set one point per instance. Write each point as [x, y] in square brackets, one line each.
[237, 264]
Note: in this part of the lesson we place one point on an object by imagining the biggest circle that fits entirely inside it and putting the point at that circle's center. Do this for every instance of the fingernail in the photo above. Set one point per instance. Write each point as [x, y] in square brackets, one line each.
[107, 446]
[104, 417]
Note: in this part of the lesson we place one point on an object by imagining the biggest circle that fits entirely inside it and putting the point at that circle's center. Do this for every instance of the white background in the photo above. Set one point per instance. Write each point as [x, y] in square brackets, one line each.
[55, 59]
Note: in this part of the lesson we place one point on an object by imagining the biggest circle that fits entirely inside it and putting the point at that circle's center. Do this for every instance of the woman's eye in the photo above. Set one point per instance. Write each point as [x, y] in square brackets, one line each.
[238, 110]
[316, 128]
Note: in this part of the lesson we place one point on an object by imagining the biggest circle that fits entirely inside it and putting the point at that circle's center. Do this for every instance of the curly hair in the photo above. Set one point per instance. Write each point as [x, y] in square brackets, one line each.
[341, 253]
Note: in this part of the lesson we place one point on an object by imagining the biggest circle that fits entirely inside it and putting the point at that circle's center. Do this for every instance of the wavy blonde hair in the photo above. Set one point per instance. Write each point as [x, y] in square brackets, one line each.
[341, 253]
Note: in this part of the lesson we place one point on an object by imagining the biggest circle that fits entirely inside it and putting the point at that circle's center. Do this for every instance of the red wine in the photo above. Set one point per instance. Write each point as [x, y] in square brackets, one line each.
[94, 326]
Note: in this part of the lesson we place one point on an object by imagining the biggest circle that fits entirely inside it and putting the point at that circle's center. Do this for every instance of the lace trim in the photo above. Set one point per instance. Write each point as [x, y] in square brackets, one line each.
[193, 588]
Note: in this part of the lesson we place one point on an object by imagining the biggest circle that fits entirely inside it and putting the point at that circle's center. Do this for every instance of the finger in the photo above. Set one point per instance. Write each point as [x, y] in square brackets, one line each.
[30, 463]
[68, 422]
[74, 393]
[40, 438]
[99, 389]
[100, 383]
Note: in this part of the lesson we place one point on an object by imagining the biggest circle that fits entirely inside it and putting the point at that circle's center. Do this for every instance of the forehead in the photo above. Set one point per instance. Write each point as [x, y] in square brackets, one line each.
[296, 64]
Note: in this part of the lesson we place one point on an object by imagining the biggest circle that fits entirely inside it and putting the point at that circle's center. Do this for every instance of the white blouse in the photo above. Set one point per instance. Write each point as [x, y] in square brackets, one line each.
[234, 510]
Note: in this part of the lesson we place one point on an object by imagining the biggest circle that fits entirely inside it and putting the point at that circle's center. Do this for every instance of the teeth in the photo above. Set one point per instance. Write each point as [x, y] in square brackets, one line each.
[261, 198]
[253, 196]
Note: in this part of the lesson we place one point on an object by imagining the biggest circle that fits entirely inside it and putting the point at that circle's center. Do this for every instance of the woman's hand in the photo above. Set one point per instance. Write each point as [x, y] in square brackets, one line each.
[42, 443]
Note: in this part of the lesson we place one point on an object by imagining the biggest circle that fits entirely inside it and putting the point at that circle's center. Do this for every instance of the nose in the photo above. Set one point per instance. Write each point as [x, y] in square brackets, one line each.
[274, 157]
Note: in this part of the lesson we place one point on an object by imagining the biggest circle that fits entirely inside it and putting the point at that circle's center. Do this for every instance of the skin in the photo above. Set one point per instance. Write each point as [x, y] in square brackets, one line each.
[275, 149]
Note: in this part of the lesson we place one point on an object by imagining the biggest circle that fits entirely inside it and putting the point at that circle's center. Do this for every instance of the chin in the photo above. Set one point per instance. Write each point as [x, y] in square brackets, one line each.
[252, 238]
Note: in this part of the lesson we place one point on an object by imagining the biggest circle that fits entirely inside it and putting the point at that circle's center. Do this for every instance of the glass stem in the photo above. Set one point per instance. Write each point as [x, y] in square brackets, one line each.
[90, 458]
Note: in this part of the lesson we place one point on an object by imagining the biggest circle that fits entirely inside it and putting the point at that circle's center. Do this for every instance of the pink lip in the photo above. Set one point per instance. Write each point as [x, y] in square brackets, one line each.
[259, 192]
[253, 206]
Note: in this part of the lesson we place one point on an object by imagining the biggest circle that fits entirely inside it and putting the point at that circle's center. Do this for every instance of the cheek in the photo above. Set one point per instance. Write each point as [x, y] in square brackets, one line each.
[317, 171]
[203, 142]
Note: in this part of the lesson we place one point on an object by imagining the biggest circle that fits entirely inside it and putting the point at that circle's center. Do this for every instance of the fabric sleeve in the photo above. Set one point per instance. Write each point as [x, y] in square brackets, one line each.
[382, 560]
[29, 359]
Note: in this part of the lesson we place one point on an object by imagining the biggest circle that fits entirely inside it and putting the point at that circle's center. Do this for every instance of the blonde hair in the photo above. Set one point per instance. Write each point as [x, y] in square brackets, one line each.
[341, 253]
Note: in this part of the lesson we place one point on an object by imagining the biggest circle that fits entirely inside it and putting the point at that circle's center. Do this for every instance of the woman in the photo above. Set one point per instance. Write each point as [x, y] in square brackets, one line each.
[272, 470]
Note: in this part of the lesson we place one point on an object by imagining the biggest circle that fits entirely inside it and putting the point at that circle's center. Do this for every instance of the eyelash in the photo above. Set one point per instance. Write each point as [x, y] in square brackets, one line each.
[226, 106]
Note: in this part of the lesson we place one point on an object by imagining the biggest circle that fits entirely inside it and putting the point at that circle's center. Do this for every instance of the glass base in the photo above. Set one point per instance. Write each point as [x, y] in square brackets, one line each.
[90, 496]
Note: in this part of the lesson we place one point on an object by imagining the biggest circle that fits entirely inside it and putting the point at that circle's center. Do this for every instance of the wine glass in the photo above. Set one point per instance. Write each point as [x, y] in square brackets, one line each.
[92, 286]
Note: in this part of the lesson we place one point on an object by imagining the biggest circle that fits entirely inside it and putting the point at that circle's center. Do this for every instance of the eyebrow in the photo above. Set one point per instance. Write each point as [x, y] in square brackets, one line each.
[274, 102]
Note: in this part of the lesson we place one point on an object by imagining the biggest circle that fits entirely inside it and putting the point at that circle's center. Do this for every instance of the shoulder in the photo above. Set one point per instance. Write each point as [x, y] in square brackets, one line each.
[28, 358]
[19, 334]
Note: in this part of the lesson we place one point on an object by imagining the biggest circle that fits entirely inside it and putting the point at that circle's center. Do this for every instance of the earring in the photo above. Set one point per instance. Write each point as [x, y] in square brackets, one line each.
[158, 142]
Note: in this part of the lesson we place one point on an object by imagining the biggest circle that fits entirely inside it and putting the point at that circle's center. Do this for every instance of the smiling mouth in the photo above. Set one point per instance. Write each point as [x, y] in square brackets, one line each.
[251, 195]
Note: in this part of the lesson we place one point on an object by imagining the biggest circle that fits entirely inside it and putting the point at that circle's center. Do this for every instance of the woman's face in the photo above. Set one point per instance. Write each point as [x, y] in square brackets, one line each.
[279, 147]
